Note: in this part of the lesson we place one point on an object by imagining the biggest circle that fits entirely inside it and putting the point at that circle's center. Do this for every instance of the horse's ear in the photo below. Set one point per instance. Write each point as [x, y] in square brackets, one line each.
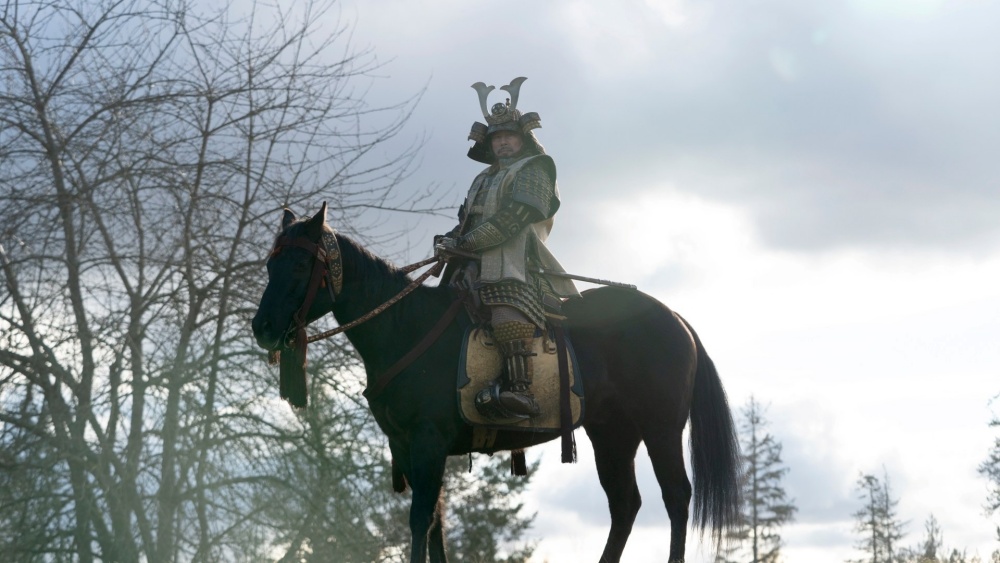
[314, 228]
[287, 218]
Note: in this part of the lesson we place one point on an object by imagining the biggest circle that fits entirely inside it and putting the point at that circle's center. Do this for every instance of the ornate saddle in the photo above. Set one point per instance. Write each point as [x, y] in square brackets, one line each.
[480, 366]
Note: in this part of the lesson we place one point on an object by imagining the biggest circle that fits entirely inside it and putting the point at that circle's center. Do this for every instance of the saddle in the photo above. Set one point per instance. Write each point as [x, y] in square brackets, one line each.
[480, 365]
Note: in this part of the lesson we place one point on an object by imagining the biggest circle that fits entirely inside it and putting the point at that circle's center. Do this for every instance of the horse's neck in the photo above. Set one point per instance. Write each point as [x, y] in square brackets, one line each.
[369, 282]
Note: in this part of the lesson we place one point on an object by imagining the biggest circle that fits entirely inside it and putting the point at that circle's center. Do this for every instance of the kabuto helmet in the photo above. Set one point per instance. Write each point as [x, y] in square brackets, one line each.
[502, 117]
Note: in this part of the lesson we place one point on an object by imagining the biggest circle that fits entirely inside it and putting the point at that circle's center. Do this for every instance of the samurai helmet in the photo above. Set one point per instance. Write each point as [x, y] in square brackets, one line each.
[501, 117]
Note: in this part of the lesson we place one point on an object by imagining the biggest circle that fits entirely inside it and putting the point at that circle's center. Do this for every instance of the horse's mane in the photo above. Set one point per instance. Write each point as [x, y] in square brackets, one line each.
[362, 264]
[382, 279]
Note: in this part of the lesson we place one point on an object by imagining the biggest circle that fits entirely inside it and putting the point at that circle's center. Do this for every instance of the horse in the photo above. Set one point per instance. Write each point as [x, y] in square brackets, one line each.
[645, 373]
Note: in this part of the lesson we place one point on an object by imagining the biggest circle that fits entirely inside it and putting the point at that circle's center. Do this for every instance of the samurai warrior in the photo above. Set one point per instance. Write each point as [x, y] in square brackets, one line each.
[503, 224]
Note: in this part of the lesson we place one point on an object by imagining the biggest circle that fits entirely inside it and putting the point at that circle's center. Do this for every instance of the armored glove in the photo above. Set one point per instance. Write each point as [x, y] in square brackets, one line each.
[444, 246]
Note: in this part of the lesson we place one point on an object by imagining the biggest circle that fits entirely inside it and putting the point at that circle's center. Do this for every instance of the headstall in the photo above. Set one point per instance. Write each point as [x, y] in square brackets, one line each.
[327, 270]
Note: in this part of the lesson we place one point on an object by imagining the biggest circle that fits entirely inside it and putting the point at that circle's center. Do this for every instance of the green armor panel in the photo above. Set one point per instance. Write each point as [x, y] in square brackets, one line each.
[534, 186]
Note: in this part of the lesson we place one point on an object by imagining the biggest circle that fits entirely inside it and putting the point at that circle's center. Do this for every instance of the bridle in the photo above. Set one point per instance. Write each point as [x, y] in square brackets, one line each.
[327, 270]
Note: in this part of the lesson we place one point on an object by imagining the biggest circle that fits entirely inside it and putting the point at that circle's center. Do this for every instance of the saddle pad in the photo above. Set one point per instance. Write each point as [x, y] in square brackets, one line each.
[481, 363]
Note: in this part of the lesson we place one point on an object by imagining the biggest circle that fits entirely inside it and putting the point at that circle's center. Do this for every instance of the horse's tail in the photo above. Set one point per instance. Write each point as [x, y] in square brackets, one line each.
[715, 450]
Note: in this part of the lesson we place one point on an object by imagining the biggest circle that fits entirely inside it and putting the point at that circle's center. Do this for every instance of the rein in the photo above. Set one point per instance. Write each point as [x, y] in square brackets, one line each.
[433, 272]
[328, 271]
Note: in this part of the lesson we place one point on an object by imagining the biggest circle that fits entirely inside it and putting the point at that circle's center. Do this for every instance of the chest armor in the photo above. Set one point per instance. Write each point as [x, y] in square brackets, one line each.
[509, 260]
[487, 186]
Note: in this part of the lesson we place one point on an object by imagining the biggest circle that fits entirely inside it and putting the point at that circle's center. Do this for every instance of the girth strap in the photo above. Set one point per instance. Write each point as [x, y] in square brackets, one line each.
[565, 414]
[383, 380]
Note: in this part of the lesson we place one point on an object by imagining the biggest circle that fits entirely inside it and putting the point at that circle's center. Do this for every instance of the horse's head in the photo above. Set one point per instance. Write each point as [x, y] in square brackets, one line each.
[303, 275]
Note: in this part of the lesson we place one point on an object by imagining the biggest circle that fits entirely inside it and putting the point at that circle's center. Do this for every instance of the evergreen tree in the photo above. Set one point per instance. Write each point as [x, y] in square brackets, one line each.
[991, 470]
[485, 521]
[931, 549]
[932, 541]
[877, 521]
[765, 505]
[892, 528]
[868, 523]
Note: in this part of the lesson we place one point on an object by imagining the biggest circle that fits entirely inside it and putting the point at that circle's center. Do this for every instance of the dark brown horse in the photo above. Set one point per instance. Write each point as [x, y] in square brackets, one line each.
[645, 373]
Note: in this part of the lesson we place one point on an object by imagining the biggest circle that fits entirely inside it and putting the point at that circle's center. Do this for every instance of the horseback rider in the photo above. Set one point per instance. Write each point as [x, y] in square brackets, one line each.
[506, 217]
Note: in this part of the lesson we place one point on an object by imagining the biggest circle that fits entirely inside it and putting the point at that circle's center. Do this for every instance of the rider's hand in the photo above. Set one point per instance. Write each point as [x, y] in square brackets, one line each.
[442, 244]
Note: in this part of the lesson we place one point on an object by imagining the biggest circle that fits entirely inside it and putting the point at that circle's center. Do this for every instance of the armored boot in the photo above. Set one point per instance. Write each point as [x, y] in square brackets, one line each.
[519, 369]
[509, 396]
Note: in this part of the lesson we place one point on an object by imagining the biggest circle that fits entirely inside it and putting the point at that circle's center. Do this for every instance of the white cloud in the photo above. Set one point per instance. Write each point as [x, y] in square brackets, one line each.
[784, 63]
[897, 8]
[673, 13]
[812, 185]
[607, 42]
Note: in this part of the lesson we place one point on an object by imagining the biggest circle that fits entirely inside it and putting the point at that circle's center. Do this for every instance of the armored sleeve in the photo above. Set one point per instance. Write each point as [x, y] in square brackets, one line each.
[507, 222]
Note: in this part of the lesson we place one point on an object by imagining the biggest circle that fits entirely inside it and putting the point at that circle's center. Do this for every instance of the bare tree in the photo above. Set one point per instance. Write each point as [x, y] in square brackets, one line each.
[143, 145]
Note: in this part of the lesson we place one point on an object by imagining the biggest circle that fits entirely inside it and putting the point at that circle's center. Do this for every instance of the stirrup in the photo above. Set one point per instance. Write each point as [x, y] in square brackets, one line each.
[488, 404]
[520, 402]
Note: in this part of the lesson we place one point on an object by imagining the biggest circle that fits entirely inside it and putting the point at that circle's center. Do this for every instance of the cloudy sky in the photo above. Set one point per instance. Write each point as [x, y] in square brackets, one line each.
[812, 184]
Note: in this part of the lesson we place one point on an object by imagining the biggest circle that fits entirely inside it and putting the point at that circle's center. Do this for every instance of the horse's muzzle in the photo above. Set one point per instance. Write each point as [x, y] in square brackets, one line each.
[263, 331]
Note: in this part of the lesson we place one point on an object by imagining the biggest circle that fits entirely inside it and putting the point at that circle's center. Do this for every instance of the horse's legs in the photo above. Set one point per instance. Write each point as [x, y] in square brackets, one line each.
[615, 443]
[427, 461]
[665, 447]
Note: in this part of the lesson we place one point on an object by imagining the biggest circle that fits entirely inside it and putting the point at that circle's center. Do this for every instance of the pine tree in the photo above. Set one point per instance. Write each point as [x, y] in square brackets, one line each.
[932, 541]
[892, 528]
[868, 522]
[931, 549]
[877, 521]
[487, 520]
[766, 506]
[991, 470]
